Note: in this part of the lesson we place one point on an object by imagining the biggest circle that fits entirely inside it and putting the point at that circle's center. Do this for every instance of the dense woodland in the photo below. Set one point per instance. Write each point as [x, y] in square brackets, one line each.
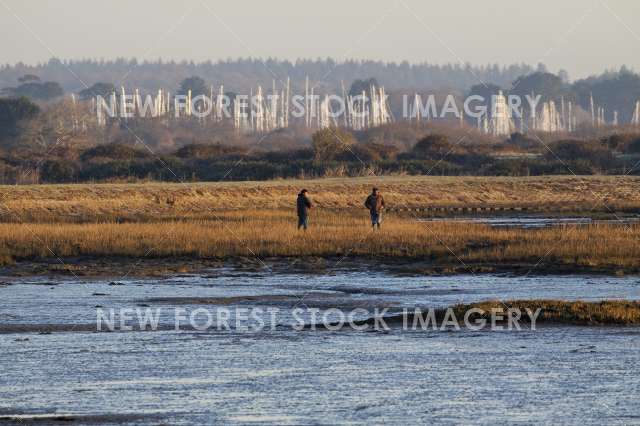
[36, 148]
[614, 90]
[242, 74]
[44, 140]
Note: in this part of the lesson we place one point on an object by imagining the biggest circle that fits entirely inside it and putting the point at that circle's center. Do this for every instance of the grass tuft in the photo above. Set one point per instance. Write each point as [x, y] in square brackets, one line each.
[608, 312]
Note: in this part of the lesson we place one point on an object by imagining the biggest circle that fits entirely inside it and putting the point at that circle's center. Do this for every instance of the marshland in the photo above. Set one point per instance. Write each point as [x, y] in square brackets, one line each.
[186, 223]
[153, 269]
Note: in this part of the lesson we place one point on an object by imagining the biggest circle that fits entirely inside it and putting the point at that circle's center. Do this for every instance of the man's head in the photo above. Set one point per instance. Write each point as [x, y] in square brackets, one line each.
[374, 191]
[304, 192]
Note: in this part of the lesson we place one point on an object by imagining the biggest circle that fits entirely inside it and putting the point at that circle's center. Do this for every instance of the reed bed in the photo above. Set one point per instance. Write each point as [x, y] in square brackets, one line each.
[273, 233]
[167, 202]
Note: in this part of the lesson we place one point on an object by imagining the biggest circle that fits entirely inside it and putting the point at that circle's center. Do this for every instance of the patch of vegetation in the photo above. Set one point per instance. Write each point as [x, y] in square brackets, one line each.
[31, 87]
[127, 225]
[608, 312]
[61, 142]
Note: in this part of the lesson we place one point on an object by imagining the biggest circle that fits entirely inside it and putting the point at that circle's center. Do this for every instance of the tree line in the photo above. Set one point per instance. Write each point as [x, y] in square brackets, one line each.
[34, 148]
[242, 74]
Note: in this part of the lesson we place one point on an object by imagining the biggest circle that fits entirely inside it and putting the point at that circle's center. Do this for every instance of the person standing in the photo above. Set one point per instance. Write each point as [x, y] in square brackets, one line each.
[375, 204]
[303, 205]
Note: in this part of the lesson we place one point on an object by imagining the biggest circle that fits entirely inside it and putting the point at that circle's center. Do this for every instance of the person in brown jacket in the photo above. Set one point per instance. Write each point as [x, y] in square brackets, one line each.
[375, 204]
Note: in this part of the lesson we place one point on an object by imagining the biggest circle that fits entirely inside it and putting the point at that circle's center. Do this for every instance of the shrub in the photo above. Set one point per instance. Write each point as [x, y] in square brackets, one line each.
[285, 156]
[633, 147]
[435, 147]
[53, 171]
[328, 143]
[13, 112]
[618, 142]
[385, 152]
[587, 151]
[524, 142]
[360, 153]
[113, 152]
[203, 152]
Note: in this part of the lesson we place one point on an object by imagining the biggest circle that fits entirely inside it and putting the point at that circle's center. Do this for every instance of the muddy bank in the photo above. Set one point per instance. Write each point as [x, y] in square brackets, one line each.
[118, 267]
[551, 312]
[20, 418]
[45, 329]
[541, 312]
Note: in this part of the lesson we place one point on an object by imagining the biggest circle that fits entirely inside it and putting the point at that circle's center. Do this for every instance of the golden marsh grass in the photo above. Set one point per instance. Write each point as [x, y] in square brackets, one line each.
[273, 233]
[608, 312]
[162, 201]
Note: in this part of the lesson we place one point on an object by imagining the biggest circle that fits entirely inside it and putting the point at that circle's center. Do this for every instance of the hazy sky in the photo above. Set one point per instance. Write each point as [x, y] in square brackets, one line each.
[581, 36]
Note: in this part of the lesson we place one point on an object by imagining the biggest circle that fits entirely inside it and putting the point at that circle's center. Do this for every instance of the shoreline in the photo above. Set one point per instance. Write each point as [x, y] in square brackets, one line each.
[115, 267]
[548, 313]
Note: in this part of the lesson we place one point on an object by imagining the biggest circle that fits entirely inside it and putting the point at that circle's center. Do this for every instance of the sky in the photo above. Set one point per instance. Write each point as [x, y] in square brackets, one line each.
[583, 37]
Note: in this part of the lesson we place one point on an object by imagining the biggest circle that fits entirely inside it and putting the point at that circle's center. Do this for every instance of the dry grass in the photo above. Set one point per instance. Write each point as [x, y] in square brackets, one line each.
[562, 312]
[273, 234]
[221, 220]
[161, 201]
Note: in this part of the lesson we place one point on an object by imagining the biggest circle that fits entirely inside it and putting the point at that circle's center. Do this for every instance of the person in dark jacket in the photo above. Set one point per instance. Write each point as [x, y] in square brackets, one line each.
[303, 205]
[375, 204]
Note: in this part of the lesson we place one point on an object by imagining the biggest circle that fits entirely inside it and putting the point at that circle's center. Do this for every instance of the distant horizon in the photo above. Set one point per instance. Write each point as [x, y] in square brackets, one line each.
[535, 67]
[581, 37]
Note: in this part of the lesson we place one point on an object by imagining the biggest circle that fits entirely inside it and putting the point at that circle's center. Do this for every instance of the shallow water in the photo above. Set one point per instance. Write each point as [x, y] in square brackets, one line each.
[535, 221]
[43, 301]
[575, 375]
